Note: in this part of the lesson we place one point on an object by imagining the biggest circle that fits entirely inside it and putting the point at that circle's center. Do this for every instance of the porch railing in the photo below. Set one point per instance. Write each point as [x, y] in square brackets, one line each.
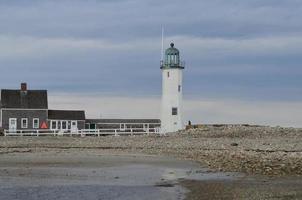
[83, 132]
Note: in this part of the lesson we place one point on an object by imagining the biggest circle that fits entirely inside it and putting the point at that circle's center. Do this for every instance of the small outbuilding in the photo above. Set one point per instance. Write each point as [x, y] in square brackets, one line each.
[123, 124]
[66, 119]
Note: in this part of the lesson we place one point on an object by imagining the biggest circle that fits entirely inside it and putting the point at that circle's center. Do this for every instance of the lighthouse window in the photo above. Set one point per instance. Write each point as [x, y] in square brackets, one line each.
[179, 88]
[174, 111]
[168, 74]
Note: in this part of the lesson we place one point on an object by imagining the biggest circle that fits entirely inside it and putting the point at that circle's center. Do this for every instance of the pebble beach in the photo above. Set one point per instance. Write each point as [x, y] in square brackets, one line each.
[208, 162]
[273, 151]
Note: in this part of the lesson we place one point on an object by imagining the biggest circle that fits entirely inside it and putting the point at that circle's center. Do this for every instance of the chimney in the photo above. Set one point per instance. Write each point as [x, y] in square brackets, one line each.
[23, 87]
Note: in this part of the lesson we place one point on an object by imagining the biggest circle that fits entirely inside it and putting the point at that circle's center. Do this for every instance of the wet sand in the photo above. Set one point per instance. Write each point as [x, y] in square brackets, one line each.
[247, 188]
[88, 175]
[106, 174]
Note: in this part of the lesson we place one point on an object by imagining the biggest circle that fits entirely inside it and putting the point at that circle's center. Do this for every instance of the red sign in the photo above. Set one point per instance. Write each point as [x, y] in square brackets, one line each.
[44, 125]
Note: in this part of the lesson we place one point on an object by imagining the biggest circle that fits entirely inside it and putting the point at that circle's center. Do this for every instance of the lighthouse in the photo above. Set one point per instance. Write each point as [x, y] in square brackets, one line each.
[171, 108]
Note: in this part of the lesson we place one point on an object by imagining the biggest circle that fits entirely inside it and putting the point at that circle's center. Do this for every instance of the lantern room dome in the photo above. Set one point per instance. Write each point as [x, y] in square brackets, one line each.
[172, 59]
[172, 50]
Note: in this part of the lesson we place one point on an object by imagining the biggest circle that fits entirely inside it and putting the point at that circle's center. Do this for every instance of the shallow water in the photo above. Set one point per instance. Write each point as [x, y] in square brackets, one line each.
[92, 176]
[124, 182]
[88, 192]
[87, 176]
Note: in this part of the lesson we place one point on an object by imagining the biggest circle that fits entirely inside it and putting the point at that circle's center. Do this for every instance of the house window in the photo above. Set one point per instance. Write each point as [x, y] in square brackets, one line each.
[24, 123]
[122, 127]
[179, 88]
[36, 123]
[64, 125]
[174, 111]
[146, 126]
[92, 126]
[54, 125]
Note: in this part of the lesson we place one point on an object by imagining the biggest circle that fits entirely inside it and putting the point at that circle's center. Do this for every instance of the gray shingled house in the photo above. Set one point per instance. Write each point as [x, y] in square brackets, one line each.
[25, 109]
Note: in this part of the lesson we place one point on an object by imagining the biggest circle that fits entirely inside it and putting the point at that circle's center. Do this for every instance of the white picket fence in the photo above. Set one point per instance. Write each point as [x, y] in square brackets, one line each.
[83, 132]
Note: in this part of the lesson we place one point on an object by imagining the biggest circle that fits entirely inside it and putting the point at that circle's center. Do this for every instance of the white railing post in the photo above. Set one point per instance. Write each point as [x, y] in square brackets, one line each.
[115, 132]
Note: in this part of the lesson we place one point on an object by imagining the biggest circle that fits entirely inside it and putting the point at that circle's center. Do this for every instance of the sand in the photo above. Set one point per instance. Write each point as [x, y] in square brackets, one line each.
[87, 175]
[272, 151]
[223, 162]
[102, 174]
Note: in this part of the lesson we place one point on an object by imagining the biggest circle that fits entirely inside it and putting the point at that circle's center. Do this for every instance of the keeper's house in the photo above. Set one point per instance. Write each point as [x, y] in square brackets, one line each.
[27, 110]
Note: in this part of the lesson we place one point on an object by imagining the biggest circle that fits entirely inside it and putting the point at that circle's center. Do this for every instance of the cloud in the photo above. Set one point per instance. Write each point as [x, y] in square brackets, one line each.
[108, 106]
[197, 47]
[215, 66]
[244, 50]
[34, 47]
[195, 109]
[272, 113]
[256, 45]
[127, 19]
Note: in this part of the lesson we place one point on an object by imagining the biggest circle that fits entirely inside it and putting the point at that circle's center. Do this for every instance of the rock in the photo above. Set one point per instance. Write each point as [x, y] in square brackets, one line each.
[234, 144]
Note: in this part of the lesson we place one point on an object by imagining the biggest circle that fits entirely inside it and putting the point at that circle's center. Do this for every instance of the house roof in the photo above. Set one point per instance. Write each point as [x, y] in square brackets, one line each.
[66, 114]
[118, 121]
[30, 99]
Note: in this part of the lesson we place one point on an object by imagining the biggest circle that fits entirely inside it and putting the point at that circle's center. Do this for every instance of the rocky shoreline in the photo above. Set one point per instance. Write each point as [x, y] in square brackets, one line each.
[273, 151]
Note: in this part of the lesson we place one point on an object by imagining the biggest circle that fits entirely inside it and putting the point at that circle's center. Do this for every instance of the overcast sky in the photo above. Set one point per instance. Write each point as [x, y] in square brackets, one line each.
[243, 58]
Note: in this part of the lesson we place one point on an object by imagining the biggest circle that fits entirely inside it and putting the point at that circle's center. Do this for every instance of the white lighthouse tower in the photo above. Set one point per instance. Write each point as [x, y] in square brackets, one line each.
[171, 108]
